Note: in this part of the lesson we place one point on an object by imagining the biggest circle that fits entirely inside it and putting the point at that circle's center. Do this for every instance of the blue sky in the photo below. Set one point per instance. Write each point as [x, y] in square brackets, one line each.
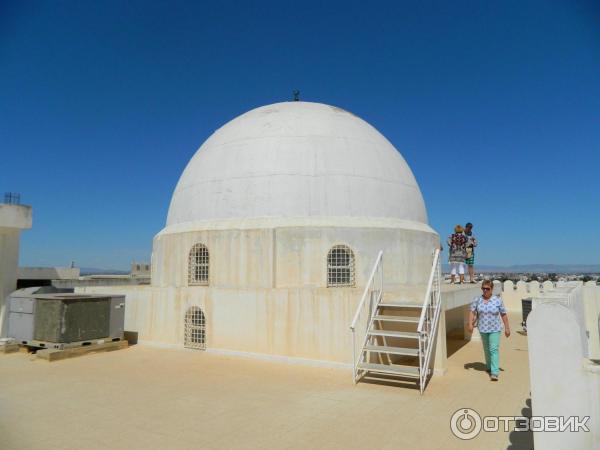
[495, 106]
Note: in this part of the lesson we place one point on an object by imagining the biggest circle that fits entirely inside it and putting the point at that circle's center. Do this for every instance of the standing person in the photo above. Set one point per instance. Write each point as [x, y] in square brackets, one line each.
[471, 244]
[457, 253]
[489, 312]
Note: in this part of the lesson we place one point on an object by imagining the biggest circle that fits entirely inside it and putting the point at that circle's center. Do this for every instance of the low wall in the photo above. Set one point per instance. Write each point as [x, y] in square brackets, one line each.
[125, 281]
[48, 273]
[299, 323]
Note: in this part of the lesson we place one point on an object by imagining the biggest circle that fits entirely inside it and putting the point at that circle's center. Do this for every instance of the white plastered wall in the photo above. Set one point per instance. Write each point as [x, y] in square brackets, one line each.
[290, 254]
[9, 260]
[267, 288]
[13, 219]
[298, 323]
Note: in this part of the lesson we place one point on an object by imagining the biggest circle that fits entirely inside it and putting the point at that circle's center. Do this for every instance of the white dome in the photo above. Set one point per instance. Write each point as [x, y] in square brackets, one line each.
[296, 159]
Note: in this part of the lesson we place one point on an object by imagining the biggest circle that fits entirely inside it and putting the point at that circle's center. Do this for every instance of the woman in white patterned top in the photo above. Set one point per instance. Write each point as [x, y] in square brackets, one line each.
[489, 312]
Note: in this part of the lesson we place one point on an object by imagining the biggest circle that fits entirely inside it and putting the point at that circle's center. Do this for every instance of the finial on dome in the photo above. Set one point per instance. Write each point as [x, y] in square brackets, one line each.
[296, 95]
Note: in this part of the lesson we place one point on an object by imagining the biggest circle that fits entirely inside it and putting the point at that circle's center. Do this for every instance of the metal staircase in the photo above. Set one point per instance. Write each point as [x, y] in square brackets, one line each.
[395, 338]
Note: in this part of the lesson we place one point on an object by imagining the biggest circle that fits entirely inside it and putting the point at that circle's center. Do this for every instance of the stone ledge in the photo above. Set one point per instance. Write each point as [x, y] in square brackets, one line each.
[56, 355]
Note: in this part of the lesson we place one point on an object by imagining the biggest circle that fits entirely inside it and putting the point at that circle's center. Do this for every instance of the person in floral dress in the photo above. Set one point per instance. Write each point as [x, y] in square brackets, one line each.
[457, 243]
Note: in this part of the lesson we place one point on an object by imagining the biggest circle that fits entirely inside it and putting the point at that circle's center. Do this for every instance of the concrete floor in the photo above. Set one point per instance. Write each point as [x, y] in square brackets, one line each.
[146, 398]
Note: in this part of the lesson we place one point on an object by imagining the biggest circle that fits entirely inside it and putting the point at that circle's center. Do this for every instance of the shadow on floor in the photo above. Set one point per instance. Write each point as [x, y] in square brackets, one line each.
[522, 440]
[454, 344]
[475, 366]
[479, 366]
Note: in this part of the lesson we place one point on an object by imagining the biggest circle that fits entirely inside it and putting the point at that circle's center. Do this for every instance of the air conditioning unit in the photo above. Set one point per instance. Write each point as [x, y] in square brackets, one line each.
[61, 319]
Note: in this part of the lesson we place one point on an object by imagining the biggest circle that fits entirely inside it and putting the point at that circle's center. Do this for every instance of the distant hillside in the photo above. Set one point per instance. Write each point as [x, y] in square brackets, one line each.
[537, 268]
[93, 271]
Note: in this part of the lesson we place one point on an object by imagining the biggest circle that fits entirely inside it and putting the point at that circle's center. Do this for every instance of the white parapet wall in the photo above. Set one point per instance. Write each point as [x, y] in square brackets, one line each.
[512, 294]
[565, 382]
[591, 303]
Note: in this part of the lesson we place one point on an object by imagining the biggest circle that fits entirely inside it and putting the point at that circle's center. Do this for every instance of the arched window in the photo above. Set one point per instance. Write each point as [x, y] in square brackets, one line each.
[340, 266]
[195, 329]
[198, 265]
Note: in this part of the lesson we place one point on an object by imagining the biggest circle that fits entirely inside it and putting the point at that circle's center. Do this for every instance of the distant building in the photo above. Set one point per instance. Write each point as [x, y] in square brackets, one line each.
[140, 270]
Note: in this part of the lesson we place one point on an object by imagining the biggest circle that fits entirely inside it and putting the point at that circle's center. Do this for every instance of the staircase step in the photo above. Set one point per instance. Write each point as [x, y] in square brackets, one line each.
[393, 369]
[393, 350]
[384, 318]
[396, 334]
[399, 305]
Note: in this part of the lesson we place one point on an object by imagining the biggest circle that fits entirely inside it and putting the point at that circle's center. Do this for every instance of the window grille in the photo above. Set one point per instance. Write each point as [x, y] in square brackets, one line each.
[195, 329]
[340, 266]
[198, 265]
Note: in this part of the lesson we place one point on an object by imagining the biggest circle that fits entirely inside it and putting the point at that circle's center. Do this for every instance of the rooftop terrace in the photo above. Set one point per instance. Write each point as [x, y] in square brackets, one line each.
[146, 397]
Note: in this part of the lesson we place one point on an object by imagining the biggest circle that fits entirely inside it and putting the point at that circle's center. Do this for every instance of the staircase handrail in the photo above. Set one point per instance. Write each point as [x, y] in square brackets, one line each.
[366, 291]
[426, 336]
[366, 316]
[436, 257]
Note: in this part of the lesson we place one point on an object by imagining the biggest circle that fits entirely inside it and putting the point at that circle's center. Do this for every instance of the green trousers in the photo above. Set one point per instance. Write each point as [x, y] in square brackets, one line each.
[491, 345]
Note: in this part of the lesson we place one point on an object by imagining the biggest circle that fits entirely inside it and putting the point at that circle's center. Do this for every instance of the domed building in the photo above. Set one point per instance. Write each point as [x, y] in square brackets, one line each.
[272, 233]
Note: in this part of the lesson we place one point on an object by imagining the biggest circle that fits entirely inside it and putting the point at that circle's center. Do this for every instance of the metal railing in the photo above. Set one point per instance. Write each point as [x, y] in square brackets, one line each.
[428, 321]
[363, 317]
[12, 198]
